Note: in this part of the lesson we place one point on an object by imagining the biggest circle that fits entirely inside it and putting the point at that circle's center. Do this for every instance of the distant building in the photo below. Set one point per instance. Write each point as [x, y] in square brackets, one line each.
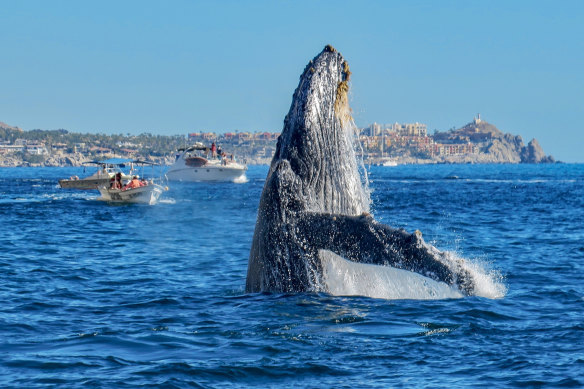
[267, 136]
[127, 144]
[209, 136]
[406, 129]
[409, 129]
[243, 136]
[36, 149]
[129, 152]
[7, 148]
[80, 147]
[233, 136]
[100, 150]
[374, 129]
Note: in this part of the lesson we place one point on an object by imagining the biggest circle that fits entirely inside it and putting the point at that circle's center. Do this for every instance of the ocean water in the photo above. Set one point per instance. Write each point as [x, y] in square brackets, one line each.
[95, 295]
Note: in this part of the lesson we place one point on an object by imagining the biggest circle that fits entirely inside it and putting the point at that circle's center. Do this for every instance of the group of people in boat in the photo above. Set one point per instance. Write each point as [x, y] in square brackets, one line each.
[135, 182]
[217, 152]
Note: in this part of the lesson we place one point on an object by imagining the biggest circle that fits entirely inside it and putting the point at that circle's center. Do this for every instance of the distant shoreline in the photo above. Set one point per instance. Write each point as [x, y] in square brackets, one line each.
[478, 142]
[267, 164]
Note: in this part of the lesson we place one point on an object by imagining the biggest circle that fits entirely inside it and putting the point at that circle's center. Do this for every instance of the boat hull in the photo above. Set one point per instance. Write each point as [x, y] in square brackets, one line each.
[143, 195]
[206, 173]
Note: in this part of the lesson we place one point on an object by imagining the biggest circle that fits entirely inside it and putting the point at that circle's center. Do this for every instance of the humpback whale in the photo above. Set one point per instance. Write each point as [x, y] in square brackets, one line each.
[314, 203]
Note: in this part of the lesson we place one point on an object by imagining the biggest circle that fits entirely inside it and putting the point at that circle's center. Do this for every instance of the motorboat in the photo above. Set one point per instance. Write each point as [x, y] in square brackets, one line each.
[133, 190]
[146, 194]
[201, 163]
[385, 161]
[389, 162]
[106, 171]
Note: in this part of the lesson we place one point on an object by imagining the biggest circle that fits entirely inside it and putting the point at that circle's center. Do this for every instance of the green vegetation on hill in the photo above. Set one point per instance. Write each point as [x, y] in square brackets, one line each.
[143, 144]
[61, 147]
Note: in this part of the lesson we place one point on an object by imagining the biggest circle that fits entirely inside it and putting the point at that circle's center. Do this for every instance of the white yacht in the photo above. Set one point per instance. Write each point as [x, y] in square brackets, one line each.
[389, 162]
[200, 163]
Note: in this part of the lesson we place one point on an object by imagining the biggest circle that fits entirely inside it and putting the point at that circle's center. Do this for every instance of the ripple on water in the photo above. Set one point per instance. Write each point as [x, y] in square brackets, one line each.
[101, 296]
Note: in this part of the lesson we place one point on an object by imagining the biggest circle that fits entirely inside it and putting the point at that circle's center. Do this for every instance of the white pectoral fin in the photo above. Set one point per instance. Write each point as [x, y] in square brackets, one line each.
[362, 240]
[348, 278]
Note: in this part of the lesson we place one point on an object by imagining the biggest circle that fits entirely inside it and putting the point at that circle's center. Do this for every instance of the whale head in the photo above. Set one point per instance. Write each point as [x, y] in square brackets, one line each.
[317, 144]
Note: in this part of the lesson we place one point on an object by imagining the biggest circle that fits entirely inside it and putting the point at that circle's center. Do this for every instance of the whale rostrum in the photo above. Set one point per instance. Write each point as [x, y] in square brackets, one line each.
[314, 199]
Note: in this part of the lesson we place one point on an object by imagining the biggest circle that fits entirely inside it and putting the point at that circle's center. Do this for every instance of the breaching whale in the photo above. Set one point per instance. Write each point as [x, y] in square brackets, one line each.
[313, 202]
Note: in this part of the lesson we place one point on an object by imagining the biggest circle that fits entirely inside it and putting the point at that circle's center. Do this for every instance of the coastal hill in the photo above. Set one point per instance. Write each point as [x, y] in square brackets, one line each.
[493, 145]
[8, 127]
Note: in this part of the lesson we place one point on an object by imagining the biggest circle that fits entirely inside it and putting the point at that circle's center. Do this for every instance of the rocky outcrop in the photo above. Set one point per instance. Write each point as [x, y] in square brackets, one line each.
[494, 146]
[10, 161]
[66, 160]
[533, 153]
[503, 151]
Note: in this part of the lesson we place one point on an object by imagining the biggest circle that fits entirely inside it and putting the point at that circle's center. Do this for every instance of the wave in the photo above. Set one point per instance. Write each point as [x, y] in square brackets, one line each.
[167, 200]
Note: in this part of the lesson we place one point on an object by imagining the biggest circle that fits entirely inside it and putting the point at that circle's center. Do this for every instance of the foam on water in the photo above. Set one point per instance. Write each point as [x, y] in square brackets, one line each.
[488, 283]
[241, 179]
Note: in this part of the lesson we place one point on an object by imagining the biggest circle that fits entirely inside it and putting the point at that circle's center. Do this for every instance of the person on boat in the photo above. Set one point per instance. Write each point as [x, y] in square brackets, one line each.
[117, 181]
[135, 183]
[213, 150]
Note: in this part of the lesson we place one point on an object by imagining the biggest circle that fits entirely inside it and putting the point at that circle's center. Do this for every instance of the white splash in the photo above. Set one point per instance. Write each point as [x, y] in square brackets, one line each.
[487, 283]
[346, 278]
[241, 179]
[364, 191]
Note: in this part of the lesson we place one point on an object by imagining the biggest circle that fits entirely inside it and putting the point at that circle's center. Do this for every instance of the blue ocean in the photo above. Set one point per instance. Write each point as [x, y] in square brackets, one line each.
[95, 295]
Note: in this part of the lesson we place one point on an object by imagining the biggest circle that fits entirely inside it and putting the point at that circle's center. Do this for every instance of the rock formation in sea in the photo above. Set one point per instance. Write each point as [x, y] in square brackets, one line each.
[533, 153]
[494, 146]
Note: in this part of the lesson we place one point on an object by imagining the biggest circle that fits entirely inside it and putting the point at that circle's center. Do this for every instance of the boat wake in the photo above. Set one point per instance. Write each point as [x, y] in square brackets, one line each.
[241, 179]
[346, 278]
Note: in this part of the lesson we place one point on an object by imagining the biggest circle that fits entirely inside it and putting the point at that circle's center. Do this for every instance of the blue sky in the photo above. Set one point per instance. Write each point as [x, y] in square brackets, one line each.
[173, 67]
